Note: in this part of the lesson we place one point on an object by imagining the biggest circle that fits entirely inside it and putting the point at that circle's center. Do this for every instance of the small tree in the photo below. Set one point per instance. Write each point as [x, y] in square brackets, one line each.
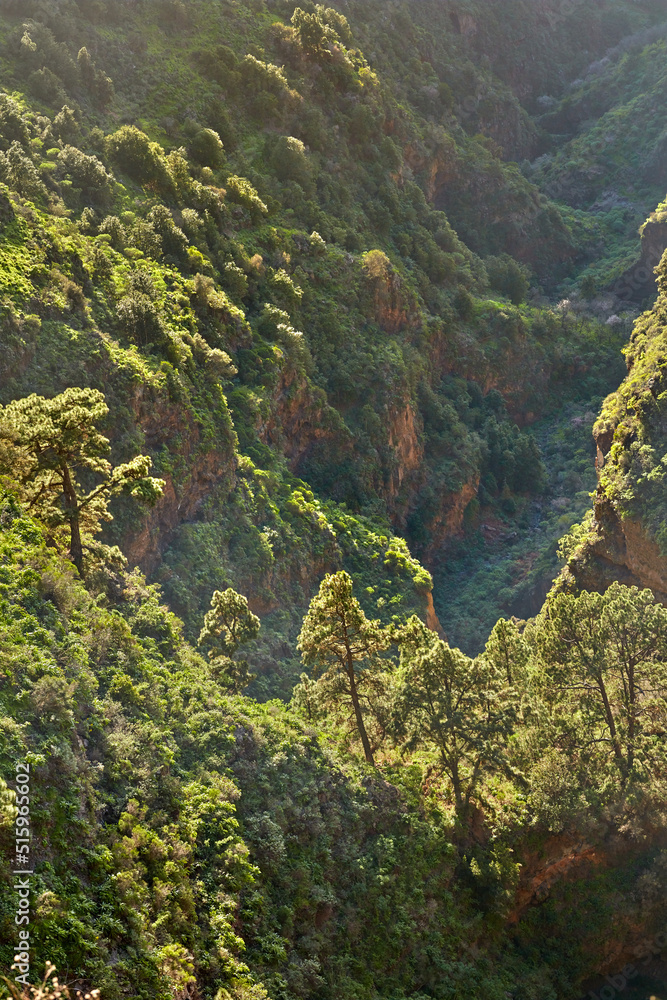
[45, 444]
[228, 625]
[459, 707]
[207, 149]
[337, 640]
[317, 33]
[507, 651]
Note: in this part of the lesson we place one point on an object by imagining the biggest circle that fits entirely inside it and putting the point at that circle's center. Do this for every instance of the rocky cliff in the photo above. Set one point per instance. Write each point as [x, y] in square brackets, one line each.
[626, 538]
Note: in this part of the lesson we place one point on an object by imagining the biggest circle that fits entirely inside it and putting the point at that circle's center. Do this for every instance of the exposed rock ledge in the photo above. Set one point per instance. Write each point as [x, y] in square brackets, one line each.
[619, 550]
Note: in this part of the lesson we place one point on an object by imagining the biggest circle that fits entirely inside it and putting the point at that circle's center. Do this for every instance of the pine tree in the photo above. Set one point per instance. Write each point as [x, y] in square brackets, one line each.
[604, 663]
[45, 444]
[459, 707]
[229, 625]
[338, 641]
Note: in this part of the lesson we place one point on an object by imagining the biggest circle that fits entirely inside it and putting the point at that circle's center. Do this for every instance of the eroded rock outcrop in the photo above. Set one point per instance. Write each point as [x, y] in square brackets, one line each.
[639, 282]
[626, 540]
[198, 469]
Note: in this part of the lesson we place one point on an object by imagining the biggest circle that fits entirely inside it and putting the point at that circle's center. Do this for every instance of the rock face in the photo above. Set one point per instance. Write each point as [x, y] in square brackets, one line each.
[406, 445]
[630, 438]
[299, 417]
[639, 283]
[619, 550]
[432, 619]
[203, 470]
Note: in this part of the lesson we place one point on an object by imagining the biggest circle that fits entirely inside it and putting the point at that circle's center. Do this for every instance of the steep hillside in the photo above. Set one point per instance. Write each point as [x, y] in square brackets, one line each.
[625, 540]
[190, 842]
[319, 212]
[608, 160]
[356, 281]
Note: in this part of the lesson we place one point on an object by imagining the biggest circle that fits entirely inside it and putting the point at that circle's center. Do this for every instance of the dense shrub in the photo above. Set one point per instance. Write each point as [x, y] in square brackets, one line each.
[19, 172]
[135, 154]
[140, 320]
[207, 149]
[289, 160]
[241, 191]
[508, 277]
[46, 86]
[13, 126]
[174, 240]
[87, 172]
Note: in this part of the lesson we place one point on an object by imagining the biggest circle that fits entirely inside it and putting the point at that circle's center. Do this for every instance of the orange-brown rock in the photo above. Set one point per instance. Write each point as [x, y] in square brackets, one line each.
[432, 620]
[619, 549]
[404, 434]
[299, 417]
[206, 469]
[435, 170]
[447, 521]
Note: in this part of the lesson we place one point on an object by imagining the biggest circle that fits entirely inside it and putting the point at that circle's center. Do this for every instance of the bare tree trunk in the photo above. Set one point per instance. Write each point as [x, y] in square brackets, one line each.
[72, 511]
[357, 711]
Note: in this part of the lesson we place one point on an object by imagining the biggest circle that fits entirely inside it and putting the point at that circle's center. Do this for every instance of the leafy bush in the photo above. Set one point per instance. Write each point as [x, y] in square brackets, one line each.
[134, 153]
[207, 149]
[87, 172]
[140, 320]
[289, 160]
[241, 191]
[46, 86]
[18, 170]
[508, 277]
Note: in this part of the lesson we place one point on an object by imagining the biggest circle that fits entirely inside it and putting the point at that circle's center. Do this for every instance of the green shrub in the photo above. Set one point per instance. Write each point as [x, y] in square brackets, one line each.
[135, 154]
[207, 149]
[63, 128]
[19, 172]
[263, 76]
[174, 240]
[87, 172]
[139, 319]
[289, 160]
[13, 126]
[241, 191]
[46, 86]
[509, 277]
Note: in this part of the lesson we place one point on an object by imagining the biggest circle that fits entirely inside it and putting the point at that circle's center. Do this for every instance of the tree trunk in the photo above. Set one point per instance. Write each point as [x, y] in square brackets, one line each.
[632, 721]
[452, 768]
[357, 711]
[611, 725]
[72, 513]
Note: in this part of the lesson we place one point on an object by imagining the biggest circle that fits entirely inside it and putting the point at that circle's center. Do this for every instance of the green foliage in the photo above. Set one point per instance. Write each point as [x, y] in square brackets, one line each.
[136, 155]
[246, 336]
[140, 320]
[341, 644]
[18, 171]
[509, 277]
[227, 626]
[46, 444]
[87, 172]
[605, 655]
[289, 160]
[241, 191]
[463, 708]
[207, 149]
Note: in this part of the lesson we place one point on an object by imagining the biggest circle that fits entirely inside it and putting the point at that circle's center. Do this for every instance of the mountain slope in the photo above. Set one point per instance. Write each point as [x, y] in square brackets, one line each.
[344, 274]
